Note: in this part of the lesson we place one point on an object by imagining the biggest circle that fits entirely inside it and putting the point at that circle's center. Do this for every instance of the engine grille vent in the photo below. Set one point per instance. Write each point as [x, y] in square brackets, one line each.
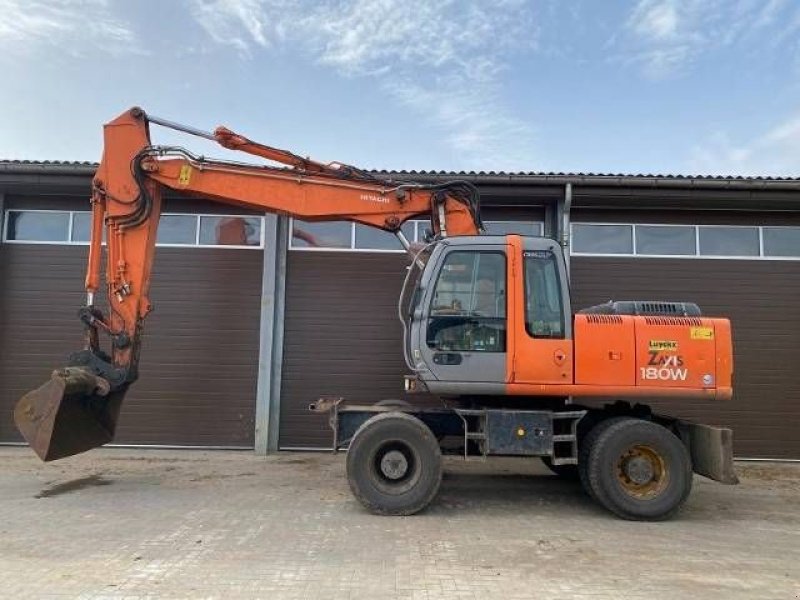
[603, 319]
[662, 308]
[645, 308]
[686, 321]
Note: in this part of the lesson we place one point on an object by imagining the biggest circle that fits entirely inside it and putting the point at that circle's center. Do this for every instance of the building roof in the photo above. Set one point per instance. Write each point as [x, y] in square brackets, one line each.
[584, 175]
[653, 180]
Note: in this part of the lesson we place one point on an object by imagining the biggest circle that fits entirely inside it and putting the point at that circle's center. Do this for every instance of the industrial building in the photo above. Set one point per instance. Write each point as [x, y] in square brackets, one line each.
[246, 333]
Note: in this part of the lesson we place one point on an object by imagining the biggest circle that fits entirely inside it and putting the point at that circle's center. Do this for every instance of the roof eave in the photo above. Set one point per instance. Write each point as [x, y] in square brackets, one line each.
[10, 172]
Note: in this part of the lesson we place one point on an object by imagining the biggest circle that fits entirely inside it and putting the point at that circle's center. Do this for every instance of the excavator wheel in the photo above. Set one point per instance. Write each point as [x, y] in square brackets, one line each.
[637, 469]
[584, 448]
[394, 464]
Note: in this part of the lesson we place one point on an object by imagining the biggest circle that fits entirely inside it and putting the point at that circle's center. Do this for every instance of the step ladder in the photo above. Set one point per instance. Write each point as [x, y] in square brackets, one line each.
[565, 444]
[477, 435]
[566, 441]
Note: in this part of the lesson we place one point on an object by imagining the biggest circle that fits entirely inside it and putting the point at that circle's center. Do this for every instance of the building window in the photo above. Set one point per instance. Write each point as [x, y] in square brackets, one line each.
[177, 229]
[370, 238]
[337, 235]
[81, 227]
[602, 239]
[230, 231]
[333, 234]
[37, 226]
[685, 241]
[729, 241]
[184, 230]
[781, 241]
[665, 240]
[533, 228]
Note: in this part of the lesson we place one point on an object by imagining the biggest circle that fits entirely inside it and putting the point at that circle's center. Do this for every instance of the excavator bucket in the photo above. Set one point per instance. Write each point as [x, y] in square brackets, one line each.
[72, 413]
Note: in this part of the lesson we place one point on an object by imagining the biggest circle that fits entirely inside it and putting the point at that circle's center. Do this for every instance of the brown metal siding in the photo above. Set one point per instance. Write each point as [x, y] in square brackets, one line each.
[760, 298]
[341, 338]
[200, 350]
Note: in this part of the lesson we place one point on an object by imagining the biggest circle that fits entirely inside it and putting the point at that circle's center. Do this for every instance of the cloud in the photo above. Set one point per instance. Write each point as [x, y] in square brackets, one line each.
[241, 23]
[472, 124]
[665, 37]
[658, 20]
[443, 59]
[362, 33]
[775, 152]
[69, 26]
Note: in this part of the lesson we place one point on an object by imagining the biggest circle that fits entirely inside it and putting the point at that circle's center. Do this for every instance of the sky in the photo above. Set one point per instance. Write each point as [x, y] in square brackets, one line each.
[646, 86]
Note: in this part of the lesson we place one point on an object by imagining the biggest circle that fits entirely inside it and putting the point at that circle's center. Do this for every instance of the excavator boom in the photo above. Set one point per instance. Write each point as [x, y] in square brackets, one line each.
[78, 408]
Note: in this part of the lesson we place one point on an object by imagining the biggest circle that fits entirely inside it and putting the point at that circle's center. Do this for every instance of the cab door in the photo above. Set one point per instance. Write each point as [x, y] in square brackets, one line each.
[460, 327]
[540, 325]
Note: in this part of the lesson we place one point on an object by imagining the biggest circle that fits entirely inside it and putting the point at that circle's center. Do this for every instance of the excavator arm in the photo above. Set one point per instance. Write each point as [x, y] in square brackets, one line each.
[78, 408]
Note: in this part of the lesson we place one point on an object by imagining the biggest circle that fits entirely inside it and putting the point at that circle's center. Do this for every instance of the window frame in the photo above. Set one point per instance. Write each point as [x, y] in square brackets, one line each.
[761, 242]
[196, 244]
[67, 242]
[419, 225]
[633, 239]
[696, 255]
[758, 229]
[200, 216]
[415, 223]
[539, 225]
[505, 318]
[559, 290]
[694, 236]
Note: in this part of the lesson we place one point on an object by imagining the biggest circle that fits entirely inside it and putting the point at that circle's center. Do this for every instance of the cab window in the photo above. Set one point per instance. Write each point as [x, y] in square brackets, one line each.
[544, 307]
[468, 308]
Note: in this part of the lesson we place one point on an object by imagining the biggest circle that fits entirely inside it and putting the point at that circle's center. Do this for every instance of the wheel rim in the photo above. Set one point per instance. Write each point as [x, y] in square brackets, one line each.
[642, 472]
[395, 467]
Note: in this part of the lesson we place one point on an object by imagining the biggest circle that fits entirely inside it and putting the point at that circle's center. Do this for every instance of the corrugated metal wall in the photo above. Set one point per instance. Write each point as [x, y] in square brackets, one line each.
[343, 338]
[760, 298]
[200, 354]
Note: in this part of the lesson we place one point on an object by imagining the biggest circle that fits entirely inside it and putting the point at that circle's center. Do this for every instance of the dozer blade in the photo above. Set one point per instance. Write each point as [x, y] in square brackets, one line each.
[72, 413]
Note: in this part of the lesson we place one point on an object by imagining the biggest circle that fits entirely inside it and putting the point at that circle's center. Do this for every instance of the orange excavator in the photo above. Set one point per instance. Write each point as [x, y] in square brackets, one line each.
[487, 325]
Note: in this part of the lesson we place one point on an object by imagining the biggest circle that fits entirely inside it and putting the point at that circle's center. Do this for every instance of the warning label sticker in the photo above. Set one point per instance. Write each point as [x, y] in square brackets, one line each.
[701, 333]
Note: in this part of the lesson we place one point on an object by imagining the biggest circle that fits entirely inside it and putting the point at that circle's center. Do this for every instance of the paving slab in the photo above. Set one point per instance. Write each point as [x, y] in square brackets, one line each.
[141, 523]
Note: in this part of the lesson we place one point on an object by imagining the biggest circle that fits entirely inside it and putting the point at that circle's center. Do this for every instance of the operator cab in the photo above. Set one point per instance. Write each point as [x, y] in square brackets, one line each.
[468, 299]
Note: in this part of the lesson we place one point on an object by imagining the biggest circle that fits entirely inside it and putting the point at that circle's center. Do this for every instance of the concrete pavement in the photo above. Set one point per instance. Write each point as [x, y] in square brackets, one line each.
[121, 523]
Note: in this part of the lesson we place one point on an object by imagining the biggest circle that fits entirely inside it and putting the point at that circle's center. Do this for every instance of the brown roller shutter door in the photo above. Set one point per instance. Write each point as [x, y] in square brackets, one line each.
[200, 351]
[343, 338]
[760, 297]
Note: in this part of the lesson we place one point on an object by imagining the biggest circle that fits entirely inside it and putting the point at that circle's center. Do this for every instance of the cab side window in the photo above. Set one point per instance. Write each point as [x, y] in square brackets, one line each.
[544, 306]
[468, 309]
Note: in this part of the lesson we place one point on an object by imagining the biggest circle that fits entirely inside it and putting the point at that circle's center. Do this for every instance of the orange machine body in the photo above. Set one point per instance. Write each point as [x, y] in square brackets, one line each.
[689, 354]
[617, 355]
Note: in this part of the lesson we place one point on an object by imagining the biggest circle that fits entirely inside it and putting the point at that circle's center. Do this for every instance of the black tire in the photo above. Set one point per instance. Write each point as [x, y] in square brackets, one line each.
[584, 448]
[638, 469]
[394, 464]
[395, 403]
[568, 472]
